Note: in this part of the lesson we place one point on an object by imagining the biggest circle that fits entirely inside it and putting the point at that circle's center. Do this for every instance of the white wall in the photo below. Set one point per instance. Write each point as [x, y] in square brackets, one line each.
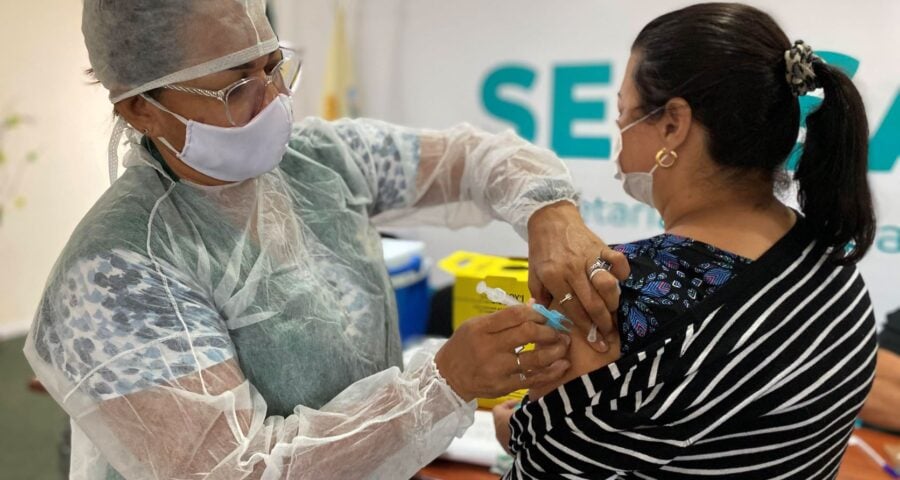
[379, 36]
[44, 58]
[375, 32]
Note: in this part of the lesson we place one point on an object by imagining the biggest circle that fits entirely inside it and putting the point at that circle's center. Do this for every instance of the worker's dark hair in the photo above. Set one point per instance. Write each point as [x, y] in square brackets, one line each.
[154, 94]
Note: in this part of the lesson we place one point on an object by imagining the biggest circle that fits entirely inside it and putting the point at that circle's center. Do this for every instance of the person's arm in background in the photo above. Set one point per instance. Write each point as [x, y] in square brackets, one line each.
[882, 408]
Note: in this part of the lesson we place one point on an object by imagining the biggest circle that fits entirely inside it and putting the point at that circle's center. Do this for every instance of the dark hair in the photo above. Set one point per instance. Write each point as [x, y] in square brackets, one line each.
[727, 61]
[154, 94]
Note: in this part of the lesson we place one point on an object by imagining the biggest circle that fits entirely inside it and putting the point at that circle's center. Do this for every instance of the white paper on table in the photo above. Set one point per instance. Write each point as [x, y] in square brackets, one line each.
[478, 445]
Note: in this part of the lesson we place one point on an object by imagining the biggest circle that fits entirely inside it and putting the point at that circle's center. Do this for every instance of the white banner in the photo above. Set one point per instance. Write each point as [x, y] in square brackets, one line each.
[551, 70]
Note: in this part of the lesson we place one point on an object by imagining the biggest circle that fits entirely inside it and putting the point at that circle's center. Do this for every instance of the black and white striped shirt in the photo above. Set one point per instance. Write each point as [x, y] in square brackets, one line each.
[762, 380]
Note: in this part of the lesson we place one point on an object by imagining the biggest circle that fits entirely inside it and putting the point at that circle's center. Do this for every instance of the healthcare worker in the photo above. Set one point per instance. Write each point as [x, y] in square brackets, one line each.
[223, 311]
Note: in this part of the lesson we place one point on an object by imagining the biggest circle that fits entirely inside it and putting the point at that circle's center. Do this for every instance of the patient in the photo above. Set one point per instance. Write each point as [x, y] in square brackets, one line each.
[746, 335]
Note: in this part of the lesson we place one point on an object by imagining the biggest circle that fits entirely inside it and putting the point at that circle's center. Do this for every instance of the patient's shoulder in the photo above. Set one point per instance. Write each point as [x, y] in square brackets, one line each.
[670, 274]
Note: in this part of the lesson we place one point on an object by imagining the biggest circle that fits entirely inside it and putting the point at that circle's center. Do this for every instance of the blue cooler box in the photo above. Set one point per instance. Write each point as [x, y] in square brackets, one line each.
[408, 268]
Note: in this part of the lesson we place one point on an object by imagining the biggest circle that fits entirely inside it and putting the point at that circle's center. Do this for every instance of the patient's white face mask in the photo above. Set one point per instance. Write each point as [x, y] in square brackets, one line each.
[638, 185]
[235, 154]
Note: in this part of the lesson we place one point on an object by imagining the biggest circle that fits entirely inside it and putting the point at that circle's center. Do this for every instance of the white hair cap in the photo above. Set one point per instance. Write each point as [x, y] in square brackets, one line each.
[139, 45]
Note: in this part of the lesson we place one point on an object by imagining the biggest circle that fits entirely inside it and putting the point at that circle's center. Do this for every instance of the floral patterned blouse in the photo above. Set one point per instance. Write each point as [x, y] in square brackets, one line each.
[669, 275]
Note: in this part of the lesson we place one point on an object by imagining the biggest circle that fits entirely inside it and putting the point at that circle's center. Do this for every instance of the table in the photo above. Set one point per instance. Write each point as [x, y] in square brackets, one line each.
[444, 470]
[856, 465]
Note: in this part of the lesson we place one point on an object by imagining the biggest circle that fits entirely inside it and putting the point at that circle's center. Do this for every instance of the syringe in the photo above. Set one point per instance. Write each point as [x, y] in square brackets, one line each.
[498, 295]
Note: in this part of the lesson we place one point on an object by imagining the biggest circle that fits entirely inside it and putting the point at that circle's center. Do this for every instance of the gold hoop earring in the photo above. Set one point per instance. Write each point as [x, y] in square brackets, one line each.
[663, 154]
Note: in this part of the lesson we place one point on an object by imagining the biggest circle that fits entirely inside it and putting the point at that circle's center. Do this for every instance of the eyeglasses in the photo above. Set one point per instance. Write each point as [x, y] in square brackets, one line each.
[243, 98]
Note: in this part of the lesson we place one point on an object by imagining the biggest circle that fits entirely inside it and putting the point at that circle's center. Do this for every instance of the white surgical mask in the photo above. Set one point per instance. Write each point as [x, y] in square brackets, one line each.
[638, 185]
[235, 154]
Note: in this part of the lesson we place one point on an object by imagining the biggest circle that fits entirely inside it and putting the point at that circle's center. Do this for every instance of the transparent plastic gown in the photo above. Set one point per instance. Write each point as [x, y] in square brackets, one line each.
[250, 330]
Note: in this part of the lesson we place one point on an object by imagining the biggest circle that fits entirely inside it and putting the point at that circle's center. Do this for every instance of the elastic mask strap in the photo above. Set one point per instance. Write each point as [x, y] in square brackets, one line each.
[641, 119]
[183, 120]
[169, 146]
[159, 106]
[114, 141]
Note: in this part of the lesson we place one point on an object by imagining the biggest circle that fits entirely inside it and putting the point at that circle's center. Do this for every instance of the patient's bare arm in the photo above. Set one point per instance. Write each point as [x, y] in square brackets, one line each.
[584, 359]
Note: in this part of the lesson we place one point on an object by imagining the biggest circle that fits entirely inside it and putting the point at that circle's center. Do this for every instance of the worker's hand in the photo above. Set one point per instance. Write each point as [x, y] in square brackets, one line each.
[480, 359]
[561, 250]
[502, 414]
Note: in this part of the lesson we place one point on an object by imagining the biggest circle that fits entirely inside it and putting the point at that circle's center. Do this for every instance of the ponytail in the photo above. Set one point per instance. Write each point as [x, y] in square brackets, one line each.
[723, 48]
[833, 170]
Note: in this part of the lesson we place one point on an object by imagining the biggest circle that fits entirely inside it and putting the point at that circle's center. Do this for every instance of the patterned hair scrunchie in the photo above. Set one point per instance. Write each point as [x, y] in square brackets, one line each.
[800, 74]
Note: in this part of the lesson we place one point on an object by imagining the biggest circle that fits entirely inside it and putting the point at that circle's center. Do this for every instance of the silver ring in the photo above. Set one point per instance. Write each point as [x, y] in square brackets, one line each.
[598, 266]
[522, 377]
[567, 298]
